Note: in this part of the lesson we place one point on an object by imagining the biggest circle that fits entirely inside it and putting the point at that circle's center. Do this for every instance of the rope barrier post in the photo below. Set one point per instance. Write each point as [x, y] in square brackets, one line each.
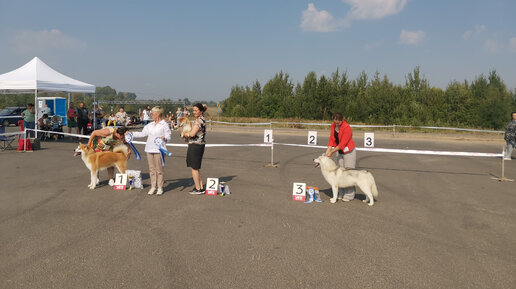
[393, 130]
[271, 165]
[503, 178]
[25, 139]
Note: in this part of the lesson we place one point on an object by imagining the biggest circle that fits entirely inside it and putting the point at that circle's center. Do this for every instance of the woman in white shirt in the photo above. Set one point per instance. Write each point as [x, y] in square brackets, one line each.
[159, 128]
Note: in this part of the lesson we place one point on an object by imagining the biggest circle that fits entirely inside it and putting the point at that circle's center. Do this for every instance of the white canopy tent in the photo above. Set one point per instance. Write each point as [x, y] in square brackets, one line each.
[36, 76]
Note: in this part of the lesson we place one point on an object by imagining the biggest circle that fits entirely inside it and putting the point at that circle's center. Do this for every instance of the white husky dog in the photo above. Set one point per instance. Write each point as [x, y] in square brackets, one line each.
[343, 178]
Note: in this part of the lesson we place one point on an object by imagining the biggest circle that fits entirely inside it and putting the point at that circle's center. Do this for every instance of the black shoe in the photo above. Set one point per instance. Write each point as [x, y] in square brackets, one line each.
[196, 192]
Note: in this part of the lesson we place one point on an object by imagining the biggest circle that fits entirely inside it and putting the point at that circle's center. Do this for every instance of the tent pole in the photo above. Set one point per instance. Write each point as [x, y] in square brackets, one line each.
[94, 124]
[35, 112]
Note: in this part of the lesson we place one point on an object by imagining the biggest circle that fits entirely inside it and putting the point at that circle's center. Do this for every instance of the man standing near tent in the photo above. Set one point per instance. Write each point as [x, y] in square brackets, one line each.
[83, 118]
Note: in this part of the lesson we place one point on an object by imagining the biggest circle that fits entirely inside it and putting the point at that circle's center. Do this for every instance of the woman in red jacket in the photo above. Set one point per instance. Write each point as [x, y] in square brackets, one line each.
[341, 141]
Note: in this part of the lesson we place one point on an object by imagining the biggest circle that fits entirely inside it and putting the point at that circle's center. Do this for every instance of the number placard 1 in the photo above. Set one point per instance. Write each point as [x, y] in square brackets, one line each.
[120, 182]
[299, 192]
[212, 185]
[369, 139]
[312, 137]
[267, 136]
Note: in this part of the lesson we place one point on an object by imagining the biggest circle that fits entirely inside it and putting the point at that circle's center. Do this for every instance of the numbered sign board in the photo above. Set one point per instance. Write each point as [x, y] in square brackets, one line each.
[120, 182]
[212, 185]
[369, 139]
[312, 137]
[267, 136]
[299, 192]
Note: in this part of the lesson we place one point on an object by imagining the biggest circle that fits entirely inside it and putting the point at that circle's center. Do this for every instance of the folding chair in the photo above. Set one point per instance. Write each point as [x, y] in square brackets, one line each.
[6, 141]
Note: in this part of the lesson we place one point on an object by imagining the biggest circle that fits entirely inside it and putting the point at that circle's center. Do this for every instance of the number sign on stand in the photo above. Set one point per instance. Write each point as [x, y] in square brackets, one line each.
[212, 185]
[312, 137]
[267, 136]
[120, 182]
[299, 192]
[369, 139]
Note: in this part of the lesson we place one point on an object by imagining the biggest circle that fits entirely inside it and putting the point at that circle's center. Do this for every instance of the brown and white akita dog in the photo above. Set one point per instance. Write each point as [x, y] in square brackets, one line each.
[96, 161]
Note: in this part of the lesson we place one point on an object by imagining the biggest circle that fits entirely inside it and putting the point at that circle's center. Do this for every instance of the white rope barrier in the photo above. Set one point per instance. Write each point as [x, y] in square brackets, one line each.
[414, 152]
[381, 150]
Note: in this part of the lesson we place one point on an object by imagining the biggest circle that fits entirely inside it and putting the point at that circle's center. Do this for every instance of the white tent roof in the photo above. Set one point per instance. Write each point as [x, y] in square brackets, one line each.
[36, 75]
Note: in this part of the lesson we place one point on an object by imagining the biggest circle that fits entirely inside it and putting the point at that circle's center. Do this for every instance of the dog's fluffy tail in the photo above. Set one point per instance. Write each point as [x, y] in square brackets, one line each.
[121, 149]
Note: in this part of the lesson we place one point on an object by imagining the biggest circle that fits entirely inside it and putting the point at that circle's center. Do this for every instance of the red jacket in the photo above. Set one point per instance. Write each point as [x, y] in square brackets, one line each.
[345, 137]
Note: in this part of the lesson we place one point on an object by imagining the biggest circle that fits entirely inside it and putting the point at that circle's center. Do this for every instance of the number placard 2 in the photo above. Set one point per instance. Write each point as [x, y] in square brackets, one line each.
[212, 185]
[369, 139]
[120, 182]
[267, 136]
[312, 137]
[299, 192]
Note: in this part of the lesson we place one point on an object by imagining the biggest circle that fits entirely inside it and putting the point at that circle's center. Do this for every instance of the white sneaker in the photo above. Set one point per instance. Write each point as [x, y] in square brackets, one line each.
[507, 159]
[111, 182]
[160, 191]
[151, 191]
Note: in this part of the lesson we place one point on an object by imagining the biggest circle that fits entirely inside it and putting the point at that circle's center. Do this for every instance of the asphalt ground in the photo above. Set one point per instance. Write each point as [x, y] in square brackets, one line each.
[439, 222]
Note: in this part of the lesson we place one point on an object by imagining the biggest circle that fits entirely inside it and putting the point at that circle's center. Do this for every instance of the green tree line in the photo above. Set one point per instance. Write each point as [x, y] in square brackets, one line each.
[484, 103]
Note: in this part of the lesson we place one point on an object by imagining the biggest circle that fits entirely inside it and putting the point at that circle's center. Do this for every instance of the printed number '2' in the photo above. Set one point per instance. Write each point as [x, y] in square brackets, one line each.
[212, 186]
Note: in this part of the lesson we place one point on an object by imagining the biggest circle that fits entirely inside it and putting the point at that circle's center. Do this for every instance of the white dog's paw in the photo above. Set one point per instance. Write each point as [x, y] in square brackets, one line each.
[333, 200]
[98, 181]
[365, 201]
[370, 204]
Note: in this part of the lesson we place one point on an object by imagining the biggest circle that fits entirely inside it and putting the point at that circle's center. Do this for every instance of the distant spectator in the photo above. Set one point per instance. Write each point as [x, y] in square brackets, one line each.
[83, 117]
[46, 110]
[510, 137]
[44, 122]
[111, 120]
[29, 118]
[121, 117]
[186, 113]
[145, 115]
[99, 117]
[71, 114]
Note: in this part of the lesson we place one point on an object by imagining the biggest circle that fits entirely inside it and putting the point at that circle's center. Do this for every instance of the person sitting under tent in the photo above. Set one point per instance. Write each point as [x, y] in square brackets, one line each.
[44, 123]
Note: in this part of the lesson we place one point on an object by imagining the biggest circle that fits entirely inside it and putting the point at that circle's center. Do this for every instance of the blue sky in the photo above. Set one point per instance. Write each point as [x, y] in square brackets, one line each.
[200, 49]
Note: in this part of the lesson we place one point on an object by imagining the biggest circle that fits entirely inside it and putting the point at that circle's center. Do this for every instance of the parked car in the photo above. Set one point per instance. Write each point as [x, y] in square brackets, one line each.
[11, 115]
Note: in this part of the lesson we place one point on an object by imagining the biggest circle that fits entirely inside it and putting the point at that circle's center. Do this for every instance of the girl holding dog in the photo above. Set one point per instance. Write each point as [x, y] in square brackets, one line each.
[196, 144]
[341, 141]
[159, 128]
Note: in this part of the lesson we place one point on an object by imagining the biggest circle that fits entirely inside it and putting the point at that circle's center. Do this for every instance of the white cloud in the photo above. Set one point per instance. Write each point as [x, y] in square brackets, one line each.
[411, 38]
[476, 31]
[29, 41]
[322, 21]
[315, 20]
[374, 9]
[512, 44]
[493, 46]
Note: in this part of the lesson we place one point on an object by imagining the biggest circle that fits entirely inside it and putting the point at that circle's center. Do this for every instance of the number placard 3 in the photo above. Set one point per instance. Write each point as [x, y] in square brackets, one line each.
[212, 186]
[299, 192]
[120, 182]
[267, 136]
[369, 139]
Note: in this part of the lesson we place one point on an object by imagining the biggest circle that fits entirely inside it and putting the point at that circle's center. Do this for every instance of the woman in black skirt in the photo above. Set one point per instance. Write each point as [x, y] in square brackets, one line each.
[196, 143]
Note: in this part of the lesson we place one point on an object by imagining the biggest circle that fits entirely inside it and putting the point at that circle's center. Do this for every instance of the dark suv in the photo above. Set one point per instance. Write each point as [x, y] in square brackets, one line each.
[11, 115]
